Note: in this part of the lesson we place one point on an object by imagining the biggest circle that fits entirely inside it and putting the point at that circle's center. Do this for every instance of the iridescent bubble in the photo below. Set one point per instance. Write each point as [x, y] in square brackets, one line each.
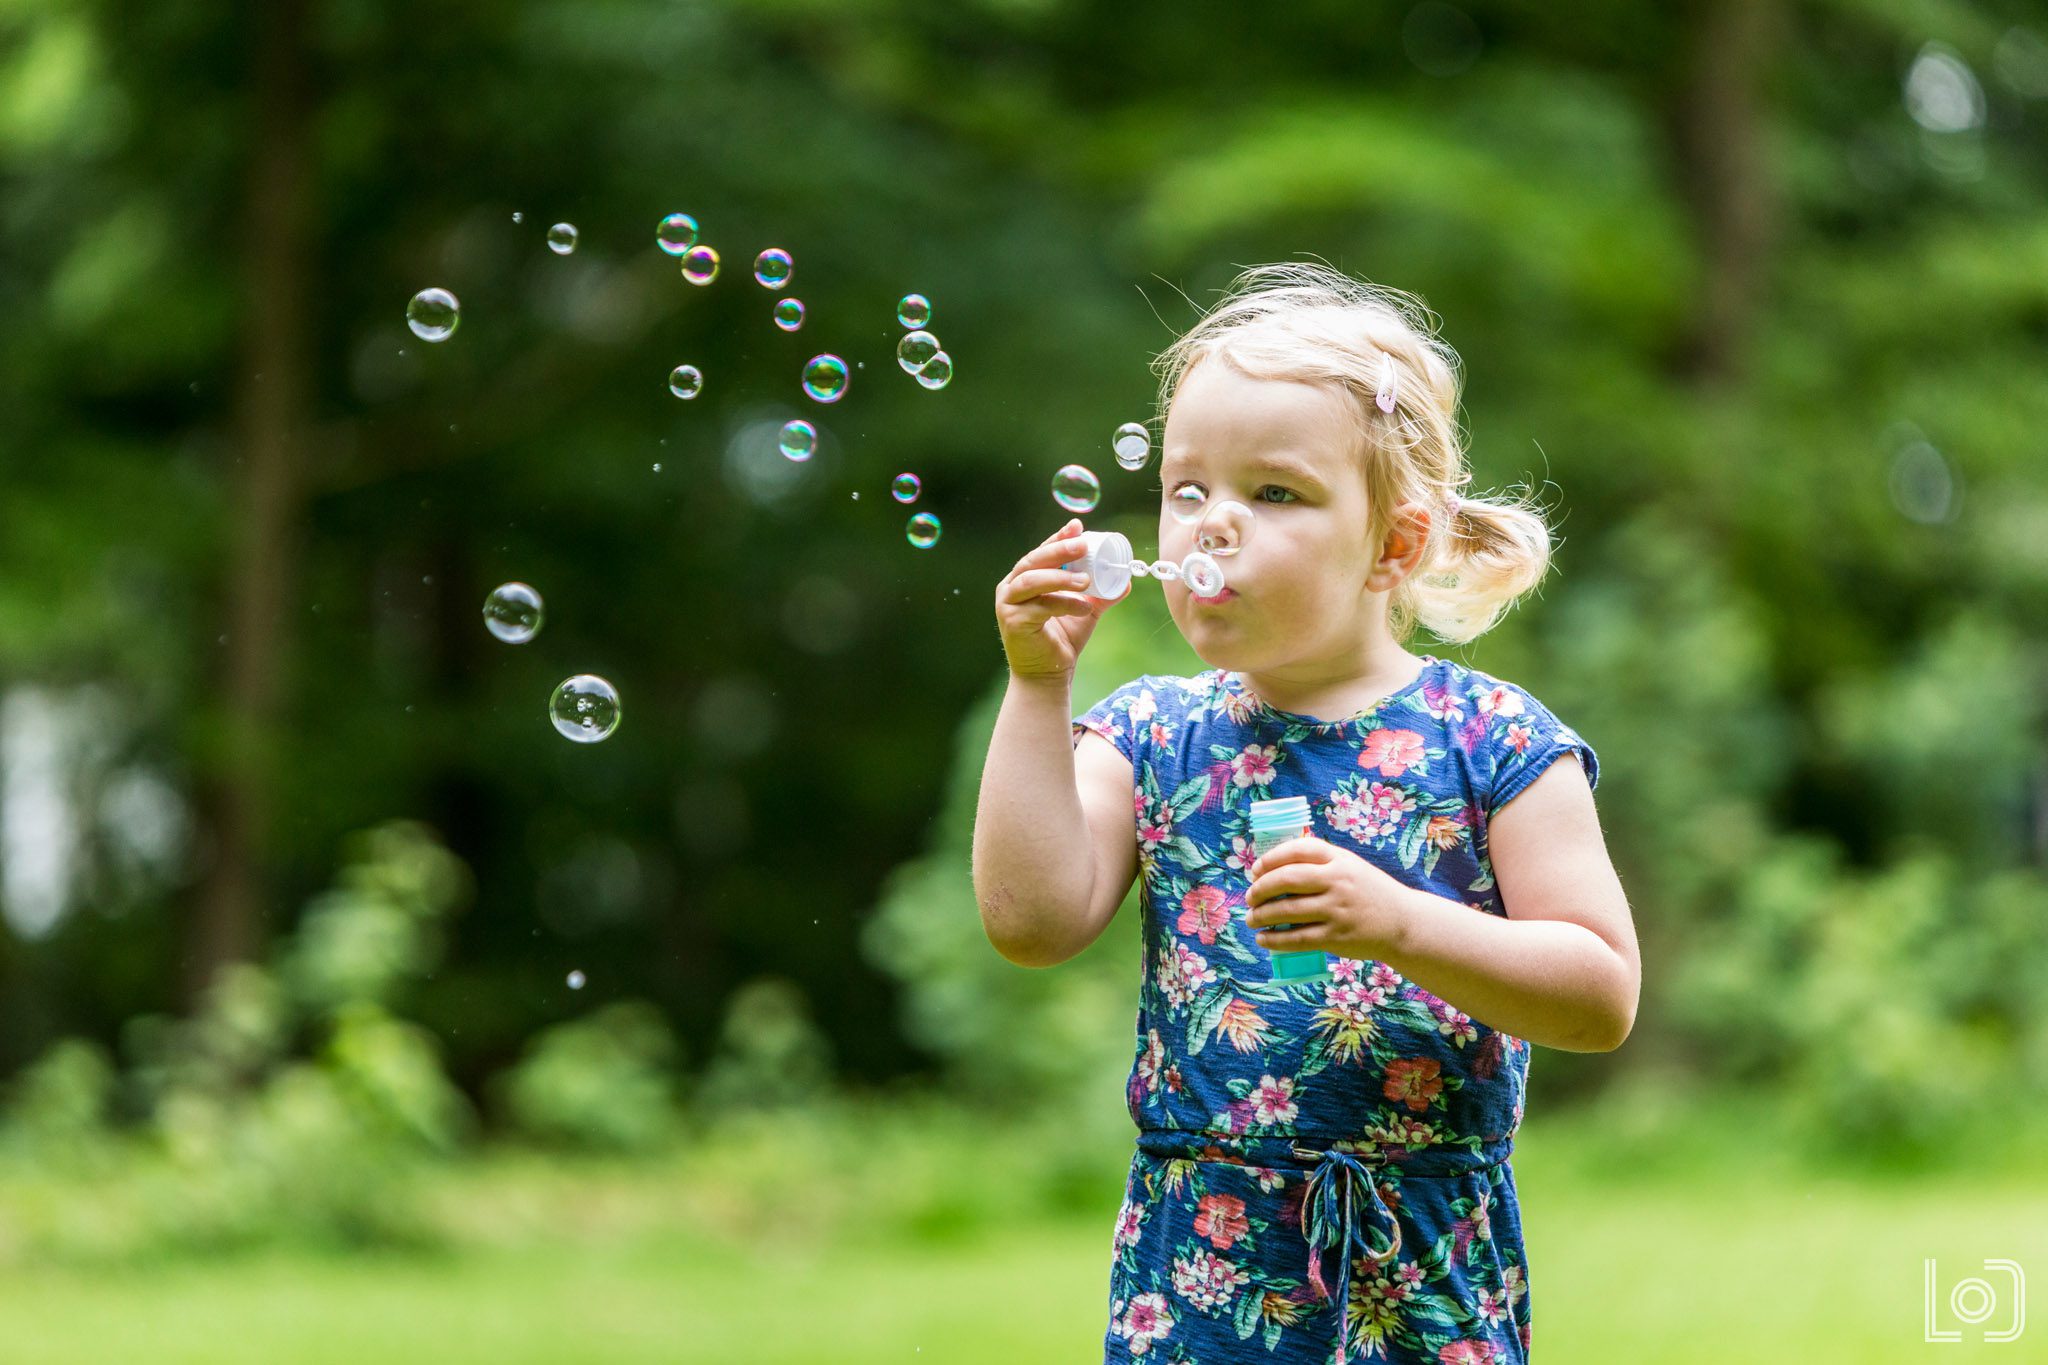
[916, 350]
[700, 264]
[906, 488]
[584, 708]
[1133, 445]
[1224, 529]
[937, 372]
[576, 980]
[433, 314]
[913, 310]
[1203, 575]
[686, 381]
[800, 441]
[825, 378]
[562, 238]
[676, 233]
[789, 314]
[1076, 488]
[1186, 503]
[922, 531]
[773, 267]
[513, 613]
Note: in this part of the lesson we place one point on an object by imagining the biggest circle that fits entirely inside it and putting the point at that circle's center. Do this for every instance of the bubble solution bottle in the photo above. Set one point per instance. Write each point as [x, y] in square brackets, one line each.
[1274, 822]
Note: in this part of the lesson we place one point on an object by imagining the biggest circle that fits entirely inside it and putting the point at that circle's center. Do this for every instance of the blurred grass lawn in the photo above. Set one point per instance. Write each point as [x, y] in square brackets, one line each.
[1714, 1244]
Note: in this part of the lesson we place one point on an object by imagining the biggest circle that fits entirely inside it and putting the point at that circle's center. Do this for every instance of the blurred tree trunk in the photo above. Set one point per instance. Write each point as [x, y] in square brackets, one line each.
[262, 568]
[1717, 127]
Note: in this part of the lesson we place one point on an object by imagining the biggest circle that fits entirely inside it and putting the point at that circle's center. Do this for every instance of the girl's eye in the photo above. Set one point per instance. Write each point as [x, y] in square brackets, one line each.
[1274, 488]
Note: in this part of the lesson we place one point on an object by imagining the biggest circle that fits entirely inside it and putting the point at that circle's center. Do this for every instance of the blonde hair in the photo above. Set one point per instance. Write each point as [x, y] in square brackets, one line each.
[1314, 324]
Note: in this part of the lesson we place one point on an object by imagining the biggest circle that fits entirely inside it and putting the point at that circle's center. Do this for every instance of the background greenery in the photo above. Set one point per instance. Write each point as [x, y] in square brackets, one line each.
[294, 870]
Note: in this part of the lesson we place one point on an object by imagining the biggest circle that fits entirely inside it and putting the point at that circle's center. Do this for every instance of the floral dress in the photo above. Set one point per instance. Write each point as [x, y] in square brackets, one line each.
[1278, 1122]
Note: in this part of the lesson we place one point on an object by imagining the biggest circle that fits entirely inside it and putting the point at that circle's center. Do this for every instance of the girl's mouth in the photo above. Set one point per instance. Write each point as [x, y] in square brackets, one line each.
[1227, 595]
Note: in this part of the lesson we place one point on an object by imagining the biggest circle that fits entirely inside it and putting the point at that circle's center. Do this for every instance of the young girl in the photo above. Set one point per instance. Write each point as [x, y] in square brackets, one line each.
[1322, 1169]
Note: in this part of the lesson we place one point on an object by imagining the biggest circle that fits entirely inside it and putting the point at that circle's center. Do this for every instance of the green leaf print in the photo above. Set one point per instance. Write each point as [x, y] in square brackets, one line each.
[1411, 839]
[1209, 1008]
[1189, 795]
[1246, 1318]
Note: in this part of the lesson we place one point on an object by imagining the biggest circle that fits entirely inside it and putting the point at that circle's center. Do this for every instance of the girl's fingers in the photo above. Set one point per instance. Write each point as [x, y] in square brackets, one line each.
[1064, 531]
[1041, 608]
[1051, 553]
[1023, 587]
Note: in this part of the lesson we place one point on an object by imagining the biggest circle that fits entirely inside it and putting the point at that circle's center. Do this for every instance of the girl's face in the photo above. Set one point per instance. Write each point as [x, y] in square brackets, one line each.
[1299, 589]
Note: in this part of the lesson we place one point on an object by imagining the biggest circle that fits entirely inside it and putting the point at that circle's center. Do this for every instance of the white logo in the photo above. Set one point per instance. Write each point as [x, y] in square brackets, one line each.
[1974, 1301]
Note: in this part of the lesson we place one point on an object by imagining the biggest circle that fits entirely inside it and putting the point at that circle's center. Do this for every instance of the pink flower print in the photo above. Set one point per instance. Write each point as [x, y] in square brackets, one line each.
[1274, 1100]
[1470, 1352]
[1440, 701]
[1162, 735]
[1269, 1179]
[1144, 707]
[1519, 736]
[1155, 829]
[1415, 1081]
[1183, 975]
[1389, 804]
[1472, 733]
[1152, 1061]
[1347, 816]
[1392, 752]
[1454, 1023]
[1237, 1115]
[1241, 855]
[1346, 969]
[1207, 1281]
[1220, 1218]
[1384, 977]
[1130, 1221]
[1204, 911]
[1254, 767]
[1146, 1321]
[1500, 701]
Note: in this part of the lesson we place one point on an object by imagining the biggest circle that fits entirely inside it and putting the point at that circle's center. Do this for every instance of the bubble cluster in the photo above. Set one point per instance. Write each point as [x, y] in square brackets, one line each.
[562, 238]
[513, 613]
[937, 372]
[1076, 488]
[686, 381]
[922, 531]
[800, 441]
[916, 350]
[1133, 445]
[773, 267]
[700, 264]
[676, 233]
[1224, 529]
[913, 310]
[433, 314]
[906, 488]
[825, 378]
[789, 314]
[584, 708]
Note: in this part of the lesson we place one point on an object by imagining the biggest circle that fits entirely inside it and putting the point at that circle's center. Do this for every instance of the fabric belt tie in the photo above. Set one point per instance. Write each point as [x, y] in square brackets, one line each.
[1330, 1209]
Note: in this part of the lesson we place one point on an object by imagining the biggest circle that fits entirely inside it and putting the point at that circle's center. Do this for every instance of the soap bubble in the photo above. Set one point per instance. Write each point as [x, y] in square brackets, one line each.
[584, 708]
[825, 378]
[906, 488]
[1133, 445]
[562, 238]
[937, 372]
[789, 314]
[1165, 570]
[513, 613]
[576, 980]
[518, 217]
[1224, 529]
[1203, 575]
[922, 531]
[676, 233]
[914, 310]
[916, 350]
[686, 381]
[773, 267]
[799, 440]
[1076, 488]
[700, 264]
[432, 314]
[1186, 503]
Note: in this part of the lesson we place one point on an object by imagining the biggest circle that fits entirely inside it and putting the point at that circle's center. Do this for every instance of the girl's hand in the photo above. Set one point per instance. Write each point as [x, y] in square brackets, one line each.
[1045, 628]
[1343, 903]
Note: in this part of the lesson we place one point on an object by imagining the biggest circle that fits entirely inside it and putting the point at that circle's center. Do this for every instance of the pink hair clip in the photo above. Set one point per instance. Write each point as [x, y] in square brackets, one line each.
[1452, 504]
[1385, 397]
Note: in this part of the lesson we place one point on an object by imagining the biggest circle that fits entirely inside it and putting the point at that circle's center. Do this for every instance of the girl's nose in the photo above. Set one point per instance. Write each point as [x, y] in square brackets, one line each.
[1224, 529]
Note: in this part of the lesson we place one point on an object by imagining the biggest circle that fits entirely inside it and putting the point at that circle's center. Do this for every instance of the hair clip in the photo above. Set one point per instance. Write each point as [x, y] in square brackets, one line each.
[1452, 503]
[1385, 397]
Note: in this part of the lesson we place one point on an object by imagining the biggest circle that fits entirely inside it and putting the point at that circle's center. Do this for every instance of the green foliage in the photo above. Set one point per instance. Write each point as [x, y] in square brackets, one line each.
[771, 1054]
[604, 1082]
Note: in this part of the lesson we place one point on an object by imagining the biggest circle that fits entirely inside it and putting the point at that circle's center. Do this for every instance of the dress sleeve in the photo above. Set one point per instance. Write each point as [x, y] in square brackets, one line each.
[1523, 738]
[1113, 717]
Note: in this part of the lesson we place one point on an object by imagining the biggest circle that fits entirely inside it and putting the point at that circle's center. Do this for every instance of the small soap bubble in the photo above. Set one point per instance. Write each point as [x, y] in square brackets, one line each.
[657, 467]
[906, 488]
[1186, 503]
[937, 372]
[513, 613]
[700, 264]
[676, 233]
[1203, 575]
[584, 708]
[576, 980]
[1133, 445]
[773, 267]
[433, 314]
[1224, 529]
[914, 310]
[922, 531]
[686, 381]
[825, 378]
[1076, 488]
[789, 314]
[800, 441]
[562, 238]
[916, 350]
[518, 217]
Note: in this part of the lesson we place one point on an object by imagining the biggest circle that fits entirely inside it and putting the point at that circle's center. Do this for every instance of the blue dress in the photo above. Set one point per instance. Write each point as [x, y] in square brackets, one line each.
[1362, 1112]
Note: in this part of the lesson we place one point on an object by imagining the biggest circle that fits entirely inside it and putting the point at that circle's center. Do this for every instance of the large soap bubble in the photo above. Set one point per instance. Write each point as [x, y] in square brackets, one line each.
[1186, 503]
[916, 350]
[937, 372]
[1076, 488]
[686, 381]
[562, 238]
[513, 613]
[677, 233]
[799, 440]
[1133, 445]
[1224, 529]
[773, 267]
[700, 264]
[789, 314]
[585, 708]
[825, 378]
[914, 310]
[922, 530]
[906, 488]
[433, 314]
